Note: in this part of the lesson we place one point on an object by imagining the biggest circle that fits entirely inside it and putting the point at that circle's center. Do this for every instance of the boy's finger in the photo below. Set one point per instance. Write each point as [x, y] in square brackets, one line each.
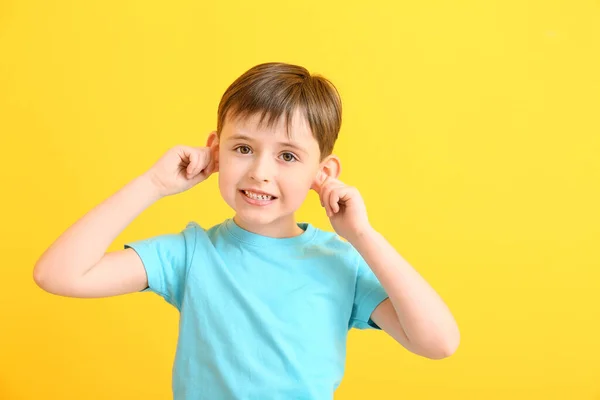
[203, 165]
[323, 194]
[212, 167]
[335, 198]
[191, 166]
[319, 181]
[327, 192]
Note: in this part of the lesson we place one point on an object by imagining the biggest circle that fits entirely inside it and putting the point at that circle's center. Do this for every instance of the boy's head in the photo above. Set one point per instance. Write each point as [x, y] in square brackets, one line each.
[277, 126]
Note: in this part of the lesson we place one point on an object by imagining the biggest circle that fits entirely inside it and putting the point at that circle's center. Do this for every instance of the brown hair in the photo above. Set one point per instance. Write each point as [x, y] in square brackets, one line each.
[277, 88]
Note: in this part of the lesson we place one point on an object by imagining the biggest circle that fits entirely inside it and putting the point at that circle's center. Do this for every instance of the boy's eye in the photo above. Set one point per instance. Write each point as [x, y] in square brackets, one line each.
[243, 149]
[289, 157]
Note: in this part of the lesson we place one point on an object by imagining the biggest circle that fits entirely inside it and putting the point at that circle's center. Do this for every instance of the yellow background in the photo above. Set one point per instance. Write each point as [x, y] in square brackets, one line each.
[472, 129]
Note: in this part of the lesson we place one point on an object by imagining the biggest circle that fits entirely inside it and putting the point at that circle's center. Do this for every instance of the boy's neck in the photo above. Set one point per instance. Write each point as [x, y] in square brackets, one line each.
[285, 227]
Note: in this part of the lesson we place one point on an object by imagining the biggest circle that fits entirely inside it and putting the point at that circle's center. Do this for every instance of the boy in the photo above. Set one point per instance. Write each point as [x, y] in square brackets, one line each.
[265, 302]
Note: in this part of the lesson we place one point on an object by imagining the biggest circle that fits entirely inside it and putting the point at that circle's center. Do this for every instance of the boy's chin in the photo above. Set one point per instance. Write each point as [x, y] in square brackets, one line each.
[262, 217]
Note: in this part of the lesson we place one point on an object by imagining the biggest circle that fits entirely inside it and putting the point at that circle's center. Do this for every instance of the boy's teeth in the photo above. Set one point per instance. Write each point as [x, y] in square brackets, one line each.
[257, 196]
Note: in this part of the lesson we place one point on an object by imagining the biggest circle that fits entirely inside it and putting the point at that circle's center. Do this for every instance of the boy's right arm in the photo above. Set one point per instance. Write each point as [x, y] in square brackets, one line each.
[77, 264]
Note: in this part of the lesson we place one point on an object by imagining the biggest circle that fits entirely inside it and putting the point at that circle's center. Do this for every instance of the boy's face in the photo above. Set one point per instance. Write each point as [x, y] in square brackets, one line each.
[264, 175]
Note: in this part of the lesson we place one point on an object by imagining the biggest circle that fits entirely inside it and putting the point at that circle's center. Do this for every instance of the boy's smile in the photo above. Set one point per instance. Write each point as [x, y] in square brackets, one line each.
[257, 197]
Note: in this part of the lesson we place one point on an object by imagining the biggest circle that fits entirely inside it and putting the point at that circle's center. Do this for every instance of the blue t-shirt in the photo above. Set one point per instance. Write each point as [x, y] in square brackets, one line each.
[260, 317]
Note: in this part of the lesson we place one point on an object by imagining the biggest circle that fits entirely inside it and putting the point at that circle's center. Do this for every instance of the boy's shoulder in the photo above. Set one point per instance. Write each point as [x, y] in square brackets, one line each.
[327, 244]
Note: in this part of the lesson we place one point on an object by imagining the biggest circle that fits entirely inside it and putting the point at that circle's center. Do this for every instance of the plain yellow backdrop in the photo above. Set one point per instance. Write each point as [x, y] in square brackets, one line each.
[472, 129]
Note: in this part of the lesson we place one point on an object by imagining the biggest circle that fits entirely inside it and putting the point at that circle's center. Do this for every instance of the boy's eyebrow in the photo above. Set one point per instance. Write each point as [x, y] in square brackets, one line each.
[249, 139]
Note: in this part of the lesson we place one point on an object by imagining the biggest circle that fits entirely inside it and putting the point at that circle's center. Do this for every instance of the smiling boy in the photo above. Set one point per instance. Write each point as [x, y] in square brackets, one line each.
[265, 302]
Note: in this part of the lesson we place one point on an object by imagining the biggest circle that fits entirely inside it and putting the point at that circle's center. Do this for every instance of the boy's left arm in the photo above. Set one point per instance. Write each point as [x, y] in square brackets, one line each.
[414, 315]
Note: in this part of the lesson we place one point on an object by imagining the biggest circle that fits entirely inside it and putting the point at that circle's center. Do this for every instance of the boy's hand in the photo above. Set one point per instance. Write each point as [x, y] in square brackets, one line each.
[344, 206]
[181, 168]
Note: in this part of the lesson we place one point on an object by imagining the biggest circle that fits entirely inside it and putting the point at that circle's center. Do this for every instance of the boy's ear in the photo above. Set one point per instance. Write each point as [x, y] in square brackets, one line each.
[212, 140]
[330, 167]
[213, 144]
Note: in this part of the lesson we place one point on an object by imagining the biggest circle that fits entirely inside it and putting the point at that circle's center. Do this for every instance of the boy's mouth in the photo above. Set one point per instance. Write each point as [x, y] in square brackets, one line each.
[257, 196]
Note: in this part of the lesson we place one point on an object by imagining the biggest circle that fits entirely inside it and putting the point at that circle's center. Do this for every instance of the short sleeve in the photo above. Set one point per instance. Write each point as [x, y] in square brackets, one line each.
[368, 294]
[166, 259]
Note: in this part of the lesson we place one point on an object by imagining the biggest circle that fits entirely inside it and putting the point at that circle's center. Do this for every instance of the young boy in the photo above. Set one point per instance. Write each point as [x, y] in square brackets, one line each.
[265, 302]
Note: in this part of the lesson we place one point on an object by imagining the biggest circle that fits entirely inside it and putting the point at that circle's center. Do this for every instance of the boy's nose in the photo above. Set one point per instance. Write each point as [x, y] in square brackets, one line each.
[261, 171]
[258, 178]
